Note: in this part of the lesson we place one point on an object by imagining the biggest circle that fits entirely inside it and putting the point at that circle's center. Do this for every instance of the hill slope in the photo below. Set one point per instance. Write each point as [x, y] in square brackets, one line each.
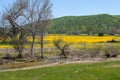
[93, 24]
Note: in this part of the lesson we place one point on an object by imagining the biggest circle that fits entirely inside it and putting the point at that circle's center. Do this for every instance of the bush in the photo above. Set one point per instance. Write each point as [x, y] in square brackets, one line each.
[111, 51]
[100, 34]
[62, 47]
[113, 41]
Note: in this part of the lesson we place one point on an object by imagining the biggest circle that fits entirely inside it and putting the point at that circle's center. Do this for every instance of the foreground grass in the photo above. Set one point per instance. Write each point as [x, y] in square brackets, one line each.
[86, 71]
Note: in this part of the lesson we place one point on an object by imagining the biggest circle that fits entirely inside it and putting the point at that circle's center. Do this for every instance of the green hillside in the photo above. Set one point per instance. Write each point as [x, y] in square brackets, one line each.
[92, 24]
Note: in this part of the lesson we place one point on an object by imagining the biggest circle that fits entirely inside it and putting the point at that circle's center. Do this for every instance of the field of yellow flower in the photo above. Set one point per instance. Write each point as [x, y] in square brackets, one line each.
[71, 39]
[78, 39]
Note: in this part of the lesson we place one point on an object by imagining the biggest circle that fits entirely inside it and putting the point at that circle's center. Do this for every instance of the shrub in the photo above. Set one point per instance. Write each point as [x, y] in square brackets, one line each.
[62, 47]
[112, 41]
[100, 34]
[111, 51]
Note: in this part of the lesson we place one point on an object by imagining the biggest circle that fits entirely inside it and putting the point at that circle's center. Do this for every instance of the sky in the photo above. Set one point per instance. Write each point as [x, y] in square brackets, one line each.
[78, 7]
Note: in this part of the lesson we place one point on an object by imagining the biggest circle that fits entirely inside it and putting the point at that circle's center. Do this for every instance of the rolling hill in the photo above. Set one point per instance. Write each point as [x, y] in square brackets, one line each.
[93, 24]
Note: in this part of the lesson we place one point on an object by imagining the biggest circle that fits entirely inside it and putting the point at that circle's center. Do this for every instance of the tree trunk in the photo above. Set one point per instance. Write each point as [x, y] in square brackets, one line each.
[32, 44]
[63, 52]
[20, 53]
[42, 43]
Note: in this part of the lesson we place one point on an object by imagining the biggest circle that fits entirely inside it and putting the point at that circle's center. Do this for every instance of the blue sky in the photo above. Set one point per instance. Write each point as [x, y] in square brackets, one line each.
[78, 7]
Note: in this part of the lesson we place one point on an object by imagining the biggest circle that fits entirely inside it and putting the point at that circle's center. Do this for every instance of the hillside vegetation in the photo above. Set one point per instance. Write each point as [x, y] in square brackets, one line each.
[93, 24]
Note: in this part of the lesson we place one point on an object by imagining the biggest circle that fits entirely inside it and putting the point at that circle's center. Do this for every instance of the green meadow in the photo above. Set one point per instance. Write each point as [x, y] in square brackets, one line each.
[84, 71]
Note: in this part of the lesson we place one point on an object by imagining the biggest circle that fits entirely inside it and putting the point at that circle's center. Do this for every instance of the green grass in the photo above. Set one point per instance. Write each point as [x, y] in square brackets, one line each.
[87, 71]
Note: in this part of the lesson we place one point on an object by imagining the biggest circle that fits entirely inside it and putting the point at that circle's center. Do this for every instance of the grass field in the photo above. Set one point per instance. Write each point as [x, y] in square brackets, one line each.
[84, 71]
[74, 40]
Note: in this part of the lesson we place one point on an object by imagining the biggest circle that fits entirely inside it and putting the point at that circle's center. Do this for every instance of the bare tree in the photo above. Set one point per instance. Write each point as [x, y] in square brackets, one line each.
[63, 47]
[44, 18]
[30, 15]
[38, 15]
[13, 15]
